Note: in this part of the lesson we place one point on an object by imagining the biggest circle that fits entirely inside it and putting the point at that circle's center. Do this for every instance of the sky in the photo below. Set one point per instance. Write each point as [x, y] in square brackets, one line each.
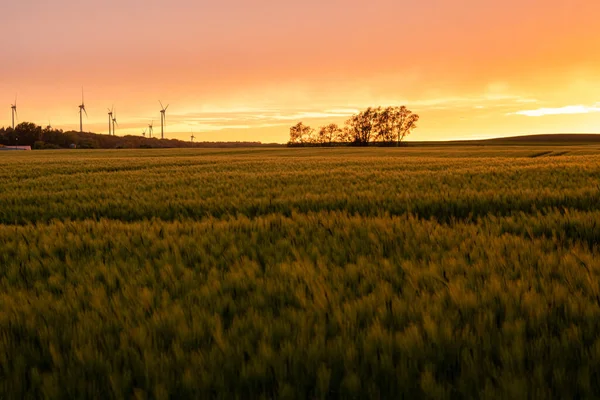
[247, 70]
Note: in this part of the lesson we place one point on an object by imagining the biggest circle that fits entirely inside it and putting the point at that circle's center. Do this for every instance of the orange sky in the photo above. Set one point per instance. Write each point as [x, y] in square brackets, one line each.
[242, 70]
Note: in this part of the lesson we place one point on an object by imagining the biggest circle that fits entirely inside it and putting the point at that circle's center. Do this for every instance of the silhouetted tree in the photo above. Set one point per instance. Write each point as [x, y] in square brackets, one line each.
[393, 124]
[404, 123]
[360, 126]
[28, 133]
[386, 125]
[3, 137]
[345, 135]
[329, 134]
[301, 134]
[9, 137]
[383, 124]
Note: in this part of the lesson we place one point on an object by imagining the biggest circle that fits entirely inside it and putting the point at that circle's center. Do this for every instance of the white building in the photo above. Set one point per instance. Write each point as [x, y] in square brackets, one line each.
[15, 148]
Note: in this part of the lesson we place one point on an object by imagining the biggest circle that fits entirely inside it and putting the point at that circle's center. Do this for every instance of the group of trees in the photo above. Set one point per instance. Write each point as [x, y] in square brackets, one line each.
[383, 125]
[386, 126]
[29, 134]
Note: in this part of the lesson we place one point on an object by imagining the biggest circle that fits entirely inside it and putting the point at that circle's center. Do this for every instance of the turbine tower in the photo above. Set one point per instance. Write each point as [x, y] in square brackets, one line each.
[150, 129]
[13, 108]
[110, 117]
[163, 120]
[81, 111]
[114, 121]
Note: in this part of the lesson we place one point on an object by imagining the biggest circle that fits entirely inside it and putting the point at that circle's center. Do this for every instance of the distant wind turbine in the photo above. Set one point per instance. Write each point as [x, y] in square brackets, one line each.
[144, 133]
[110, 117]
[163, 119]
[114, 121]
[81, 111]
[49, 125]
[150, 129]
[13, 108]
[193, 137]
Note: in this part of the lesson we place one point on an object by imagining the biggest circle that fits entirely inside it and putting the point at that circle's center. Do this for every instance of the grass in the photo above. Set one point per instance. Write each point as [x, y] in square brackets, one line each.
[455, 272]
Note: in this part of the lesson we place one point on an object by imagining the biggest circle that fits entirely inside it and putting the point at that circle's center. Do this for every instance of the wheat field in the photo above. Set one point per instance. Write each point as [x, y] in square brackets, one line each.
[441, 272]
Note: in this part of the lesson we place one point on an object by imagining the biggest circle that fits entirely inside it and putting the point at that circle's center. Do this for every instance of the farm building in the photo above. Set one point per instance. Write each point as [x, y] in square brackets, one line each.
[15, 148]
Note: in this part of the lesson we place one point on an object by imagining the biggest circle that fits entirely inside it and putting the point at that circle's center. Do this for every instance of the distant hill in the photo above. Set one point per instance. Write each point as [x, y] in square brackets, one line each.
[563, 139]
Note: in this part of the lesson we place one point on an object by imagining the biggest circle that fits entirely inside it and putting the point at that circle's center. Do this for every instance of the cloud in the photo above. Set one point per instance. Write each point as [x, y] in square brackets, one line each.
[343, 111]
[484, 101]
[256, 118]
[312, 115]
[566, 110]
[525, 100]
[216, 128]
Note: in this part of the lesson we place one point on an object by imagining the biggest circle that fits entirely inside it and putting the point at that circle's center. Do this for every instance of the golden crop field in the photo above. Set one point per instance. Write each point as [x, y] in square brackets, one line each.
[442, 272]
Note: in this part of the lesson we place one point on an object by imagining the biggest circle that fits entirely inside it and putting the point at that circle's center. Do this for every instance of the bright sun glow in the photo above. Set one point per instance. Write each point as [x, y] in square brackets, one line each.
[567, 110]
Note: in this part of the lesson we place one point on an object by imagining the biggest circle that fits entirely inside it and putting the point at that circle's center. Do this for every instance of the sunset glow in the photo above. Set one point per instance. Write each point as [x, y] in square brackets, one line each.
[239, 70]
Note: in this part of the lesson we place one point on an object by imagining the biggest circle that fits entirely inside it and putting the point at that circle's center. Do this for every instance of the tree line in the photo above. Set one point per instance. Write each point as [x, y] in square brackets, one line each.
[386, 126]
[29, 134]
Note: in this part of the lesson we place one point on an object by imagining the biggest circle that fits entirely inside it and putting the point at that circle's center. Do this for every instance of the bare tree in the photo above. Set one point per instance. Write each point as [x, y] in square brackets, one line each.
[361, 126]
[404, 122]
[301, 134]
[329, 134]
[393, 124]
[345, 135]
[384, 124]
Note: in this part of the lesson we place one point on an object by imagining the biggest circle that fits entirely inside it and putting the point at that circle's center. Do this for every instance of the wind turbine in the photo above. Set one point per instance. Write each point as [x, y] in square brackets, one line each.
[144, 133]
[81, 111]
[163, 119]
[193, 137]
[114, 121]
[110, 117]
[150, 129]
[49, 127]
[13, 108]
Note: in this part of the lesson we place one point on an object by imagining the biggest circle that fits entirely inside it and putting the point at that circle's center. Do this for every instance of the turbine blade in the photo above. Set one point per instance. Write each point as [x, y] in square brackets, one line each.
[167, 107]
[161, 106]
[86, 114]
